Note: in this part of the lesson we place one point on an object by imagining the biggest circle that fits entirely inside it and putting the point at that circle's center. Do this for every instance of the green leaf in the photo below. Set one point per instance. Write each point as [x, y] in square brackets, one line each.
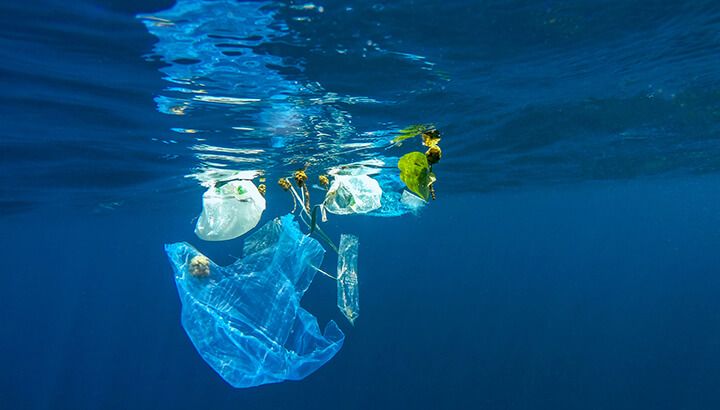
[415, 173]
[410, 132]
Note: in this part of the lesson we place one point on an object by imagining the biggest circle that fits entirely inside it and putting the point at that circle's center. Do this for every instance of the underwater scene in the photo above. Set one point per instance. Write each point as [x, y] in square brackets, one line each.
[411, 204]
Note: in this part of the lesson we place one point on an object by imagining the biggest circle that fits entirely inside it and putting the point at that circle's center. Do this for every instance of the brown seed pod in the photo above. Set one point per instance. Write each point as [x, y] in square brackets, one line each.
[284, 183]
[300, 177]
[324, 181]
[199, 266]
[431, 137]
[433, 154]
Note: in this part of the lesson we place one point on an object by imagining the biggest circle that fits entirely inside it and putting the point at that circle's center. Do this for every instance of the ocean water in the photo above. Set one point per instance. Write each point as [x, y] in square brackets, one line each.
[570, 260]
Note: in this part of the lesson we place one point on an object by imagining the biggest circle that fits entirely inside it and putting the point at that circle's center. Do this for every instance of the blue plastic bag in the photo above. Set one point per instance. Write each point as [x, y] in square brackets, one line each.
[245, 319]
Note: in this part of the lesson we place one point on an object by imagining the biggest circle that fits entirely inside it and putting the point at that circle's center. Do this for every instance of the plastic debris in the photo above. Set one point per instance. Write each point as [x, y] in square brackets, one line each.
[245, 319]
[394, 198]
[412, 202]
[348, 293]
[229, 210]
[353, 194]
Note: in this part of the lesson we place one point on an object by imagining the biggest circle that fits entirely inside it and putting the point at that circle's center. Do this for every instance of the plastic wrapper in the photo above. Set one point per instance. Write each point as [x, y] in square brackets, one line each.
[245, 319]
[348, 293]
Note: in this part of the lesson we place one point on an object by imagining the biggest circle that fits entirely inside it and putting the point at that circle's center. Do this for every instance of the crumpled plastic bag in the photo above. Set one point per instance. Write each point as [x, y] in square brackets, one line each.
[395, 200]
[229, 211]
[245, 319]
[353, 194]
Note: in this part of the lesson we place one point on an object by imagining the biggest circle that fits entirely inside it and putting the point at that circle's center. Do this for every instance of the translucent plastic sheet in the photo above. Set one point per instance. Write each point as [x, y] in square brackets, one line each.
[353, 194]
[348, 293]
[245, 319]
[396, 201]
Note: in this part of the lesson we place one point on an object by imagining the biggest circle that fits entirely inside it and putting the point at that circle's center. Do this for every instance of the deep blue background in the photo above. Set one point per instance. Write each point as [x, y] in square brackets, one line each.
[602, 296]
[570, 262]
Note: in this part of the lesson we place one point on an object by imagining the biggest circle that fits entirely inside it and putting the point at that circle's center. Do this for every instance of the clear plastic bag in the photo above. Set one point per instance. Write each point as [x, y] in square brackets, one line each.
[230, 210]
[353, 194]
[245, 319]
[394, 199]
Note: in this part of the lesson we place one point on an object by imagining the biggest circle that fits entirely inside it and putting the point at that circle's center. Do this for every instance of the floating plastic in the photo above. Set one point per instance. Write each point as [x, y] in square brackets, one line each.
[353, 194]
[245, 319]
[412, 202]
[348, 293]
[395, 200]
[230, 210]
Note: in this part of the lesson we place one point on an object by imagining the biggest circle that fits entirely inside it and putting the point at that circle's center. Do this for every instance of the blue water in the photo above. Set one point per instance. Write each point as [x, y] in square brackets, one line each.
[569, 262]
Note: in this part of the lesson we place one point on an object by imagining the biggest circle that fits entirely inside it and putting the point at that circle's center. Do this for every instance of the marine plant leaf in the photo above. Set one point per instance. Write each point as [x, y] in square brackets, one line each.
[415, 173]
[411, 132]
